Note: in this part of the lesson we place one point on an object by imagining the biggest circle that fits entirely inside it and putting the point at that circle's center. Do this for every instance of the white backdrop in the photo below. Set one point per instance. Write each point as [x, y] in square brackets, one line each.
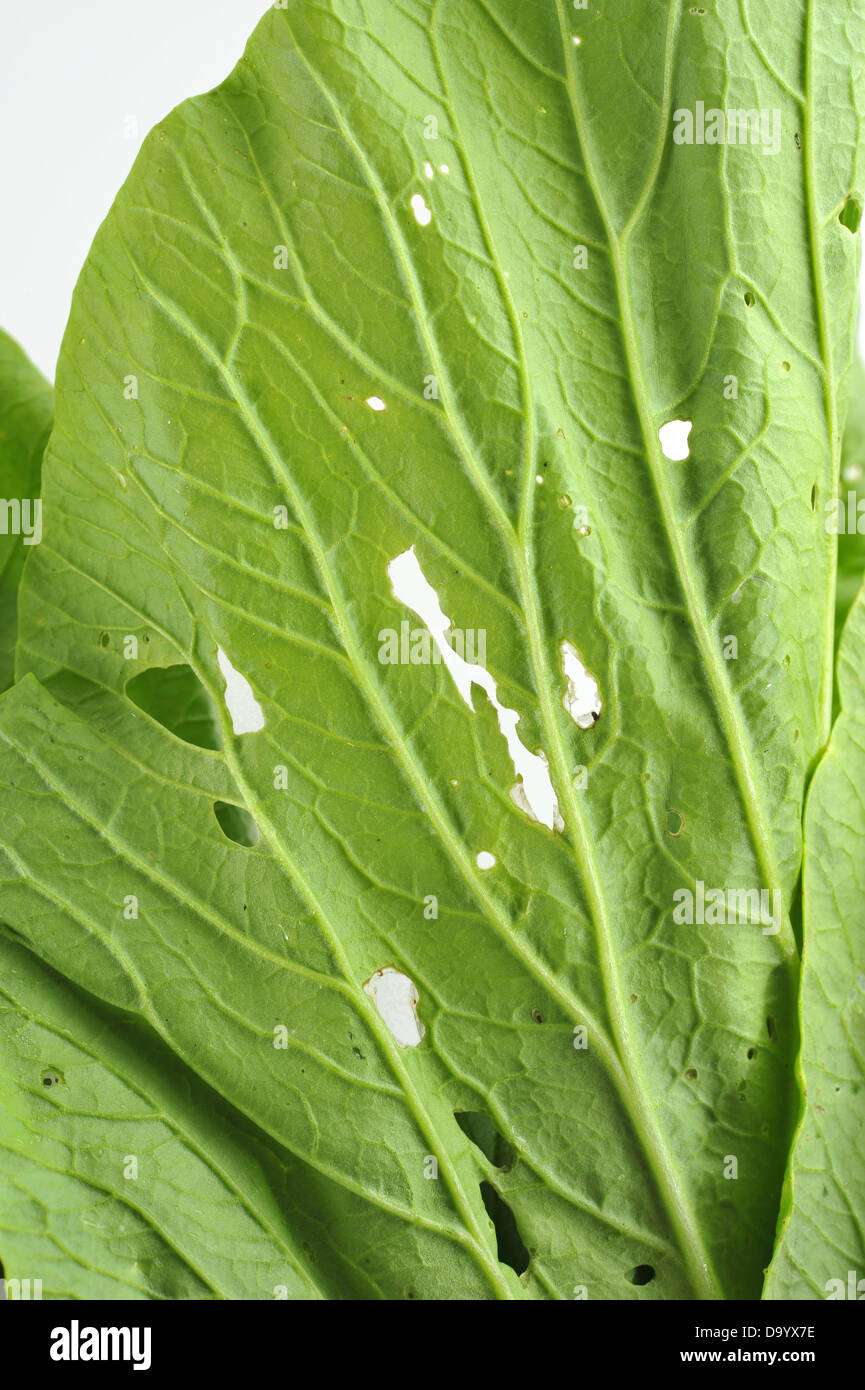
[80, 86]
[81, 83]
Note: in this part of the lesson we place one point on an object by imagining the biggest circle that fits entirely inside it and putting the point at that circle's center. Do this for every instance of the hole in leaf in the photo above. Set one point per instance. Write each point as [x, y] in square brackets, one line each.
[673, 437]
[675, 823]
[236, 823]
[770, 1029]
[477, 1126]
[691, 1074]
[247, 716]
[511, 1250]
[537, 1016]
[640, 1275]
[421, 212]
[582, 697]
[851, 214]
[750, 300]
[814, 497]
[396, 998]
[411, 586]
[176, 699]
[104, 639]
[51, 1077]
[751, 1053]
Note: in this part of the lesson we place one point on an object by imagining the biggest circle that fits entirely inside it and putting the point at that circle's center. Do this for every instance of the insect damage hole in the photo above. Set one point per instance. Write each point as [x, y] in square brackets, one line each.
[850, 215]
[411, 586]
[176, 699]
[422, 214]
[247, 716]
[485, 860]
[396, 998]
[640, 1275]
[582, 698]
[477, 1126]
[673, 437]
[236, 824]
[509, 1243]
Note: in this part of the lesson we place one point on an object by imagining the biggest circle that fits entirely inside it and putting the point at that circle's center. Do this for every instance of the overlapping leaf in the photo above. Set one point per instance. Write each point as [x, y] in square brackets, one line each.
[26, 408]
[821, 1250]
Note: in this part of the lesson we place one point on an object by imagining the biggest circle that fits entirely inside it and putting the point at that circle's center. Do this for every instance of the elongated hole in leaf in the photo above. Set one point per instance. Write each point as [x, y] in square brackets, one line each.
[640, 1275]
[582, 697]
[236, 823]
[176, 699]
[509, 1243]
[477, 1126]
[411, 586]
[247, 716]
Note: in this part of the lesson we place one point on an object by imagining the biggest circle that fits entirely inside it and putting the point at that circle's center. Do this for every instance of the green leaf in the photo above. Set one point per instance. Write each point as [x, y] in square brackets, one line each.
[821, 1232]
[457, 213]
[26, 408]
[116, 1180]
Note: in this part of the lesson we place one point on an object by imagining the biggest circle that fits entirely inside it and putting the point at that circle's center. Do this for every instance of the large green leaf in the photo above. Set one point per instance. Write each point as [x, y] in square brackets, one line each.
[382, 207]
[26, 408]
[822, 1232]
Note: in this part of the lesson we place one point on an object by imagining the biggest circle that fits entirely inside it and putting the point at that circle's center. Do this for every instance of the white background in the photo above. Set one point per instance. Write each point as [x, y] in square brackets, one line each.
[81, 83]
[75, 77]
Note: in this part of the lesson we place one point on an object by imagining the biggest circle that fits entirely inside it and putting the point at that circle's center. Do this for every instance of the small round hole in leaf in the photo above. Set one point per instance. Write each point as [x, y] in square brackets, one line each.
[640, 1275]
